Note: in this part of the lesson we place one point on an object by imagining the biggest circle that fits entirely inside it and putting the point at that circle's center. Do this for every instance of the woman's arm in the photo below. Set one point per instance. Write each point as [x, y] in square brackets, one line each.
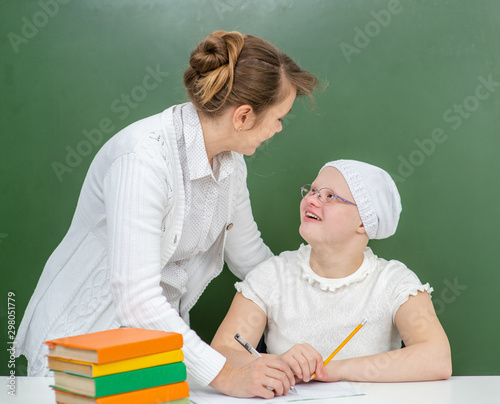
[135, 208]
[136, 203]
[244, 248]
[427, 354]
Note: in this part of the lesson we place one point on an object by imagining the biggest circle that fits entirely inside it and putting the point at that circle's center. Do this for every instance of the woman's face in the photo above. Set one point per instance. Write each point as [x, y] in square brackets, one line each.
[266, 125]
[329, 223]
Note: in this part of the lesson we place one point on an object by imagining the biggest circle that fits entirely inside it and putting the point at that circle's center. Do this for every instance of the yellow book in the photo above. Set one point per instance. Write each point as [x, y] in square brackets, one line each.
[93, 370]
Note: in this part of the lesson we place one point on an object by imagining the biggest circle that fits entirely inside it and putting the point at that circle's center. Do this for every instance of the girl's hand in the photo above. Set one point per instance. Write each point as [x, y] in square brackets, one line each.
[304, 360]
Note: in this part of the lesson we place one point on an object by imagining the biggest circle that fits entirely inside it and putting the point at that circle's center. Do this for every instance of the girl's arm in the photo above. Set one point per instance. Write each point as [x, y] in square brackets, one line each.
[249, 320]
[427, 354]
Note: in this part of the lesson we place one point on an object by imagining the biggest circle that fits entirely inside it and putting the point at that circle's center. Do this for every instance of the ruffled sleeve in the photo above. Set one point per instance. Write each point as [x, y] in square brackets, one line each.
[260, 284]
[406, 284]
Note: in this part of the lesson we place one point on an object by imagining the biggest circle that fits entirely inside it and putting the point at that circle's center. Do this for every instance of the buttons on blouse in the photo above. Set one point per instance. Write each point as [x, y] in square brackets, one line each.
[229, 226]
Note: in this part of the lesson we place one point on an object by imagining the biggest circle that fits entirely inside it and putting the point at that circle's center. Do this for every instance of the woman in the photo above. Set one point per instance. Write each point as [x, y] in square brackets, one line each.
[163, 205]
[308, 301]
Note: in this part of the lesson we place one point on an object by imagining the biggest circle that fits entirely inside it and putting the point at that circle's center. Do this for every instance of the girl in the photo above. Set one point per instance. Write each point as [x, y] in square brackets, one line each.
[307, 301]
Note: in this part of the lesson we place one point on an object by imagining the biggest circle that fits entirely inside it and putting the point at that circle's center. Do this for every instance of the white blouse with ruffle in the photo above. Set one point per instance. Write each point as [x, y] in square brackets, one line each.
[304, 307]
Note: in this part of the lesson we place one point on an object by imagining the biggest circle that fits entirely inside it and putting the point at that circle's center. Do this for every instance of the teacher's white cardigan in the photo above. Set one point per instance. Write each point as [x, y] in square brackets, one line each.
[109, 269]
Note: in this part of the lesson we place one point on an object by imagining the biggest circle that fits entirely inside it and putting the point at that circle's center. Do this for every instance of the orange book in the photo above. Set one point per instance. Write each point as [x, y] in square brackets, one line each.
[114, 345]
[153, 395]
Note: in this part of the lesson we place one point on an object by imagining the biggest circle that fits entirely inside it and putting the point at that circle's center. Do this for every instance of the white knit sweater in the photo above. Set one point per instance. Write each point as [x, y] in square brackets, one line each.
[107, 271]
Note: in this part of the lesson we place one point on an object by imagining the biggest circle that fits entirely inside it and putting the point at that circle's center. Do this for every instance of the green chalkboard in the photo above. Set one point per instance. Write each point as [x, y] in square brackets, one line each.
[413, 86]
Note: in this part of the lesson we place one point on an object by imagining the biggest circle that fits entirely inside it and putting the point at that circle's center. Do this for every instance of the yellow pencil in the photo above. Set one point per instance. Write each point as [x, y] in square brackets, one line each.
[342, 344]
[345, 342]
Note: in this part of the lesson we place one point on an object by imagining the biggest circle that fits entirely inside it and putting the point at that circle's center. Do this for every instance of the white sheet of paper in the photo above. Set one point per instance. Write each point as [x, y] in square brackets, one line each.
[306, 391]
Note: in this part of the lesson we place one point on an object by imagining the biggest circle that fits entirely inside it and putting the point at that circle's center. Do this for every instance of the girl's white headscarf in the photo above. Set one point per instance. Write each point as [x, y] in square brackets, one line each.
[376, 195]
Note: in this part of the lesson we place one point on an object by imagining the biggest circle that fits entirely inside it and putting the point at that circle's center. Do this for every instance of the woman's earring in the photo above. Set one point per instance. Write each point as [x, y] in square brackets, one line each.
[239, 130]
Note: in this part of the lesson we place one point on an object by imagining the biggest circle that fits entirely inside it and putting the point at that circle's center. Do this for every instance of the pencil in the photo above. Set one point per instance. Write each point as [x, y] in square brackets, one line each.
[345, 342]
[342, 344]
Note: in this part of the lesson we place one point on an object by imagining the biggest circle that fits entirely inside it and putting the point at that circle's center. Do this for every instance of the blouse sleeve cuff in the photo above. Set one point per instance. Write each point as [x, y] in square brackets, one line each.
[404, 296]
[248, 292]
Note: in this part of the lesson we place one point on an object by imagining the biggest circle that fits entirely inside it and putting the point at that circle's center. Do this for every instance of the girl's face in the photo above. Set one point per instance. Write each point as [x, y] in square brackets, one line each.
[331, 223]
[266, 125]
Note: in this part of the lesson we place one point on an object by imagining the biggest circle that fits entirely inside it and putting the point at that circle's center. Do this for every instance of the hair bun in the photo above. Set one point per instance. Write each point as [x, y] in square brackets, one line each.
[229, 68]
[212, 64]
[218, 49]
[209, 55]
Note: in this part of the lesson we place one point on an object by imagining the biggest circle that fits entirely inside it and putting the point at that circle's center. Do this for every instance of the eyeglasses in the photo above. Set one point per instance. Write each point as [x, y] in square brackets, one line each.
[325, 195]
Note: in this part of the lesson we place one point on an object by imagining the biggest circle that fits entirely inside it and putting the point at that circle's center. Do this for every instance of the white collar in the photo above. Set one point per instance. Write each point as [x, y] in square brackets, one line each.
[196, 152]
[304, 255]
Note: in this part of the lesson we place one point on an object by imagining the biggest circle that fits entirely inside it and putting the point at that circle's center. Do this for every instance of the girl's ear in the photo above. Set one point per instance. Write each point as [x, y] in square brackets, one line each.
[361, 229]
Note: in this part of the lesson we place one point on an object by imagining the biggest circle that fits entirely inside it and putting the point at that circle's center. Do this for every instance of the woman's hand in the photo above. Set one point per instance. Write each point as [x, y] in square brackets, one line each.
[304, 361]
[263, 377]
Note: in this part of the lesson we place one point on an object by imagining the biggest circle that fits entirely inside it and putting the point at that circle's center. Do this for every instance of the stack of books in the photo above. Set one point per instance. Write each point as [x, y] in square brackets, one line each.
[120, 366]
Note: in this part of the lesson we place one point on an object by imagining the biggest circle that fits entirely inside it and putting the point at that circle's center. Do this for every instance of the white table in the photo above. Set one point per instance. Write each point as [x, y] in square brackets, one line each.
[456, 390]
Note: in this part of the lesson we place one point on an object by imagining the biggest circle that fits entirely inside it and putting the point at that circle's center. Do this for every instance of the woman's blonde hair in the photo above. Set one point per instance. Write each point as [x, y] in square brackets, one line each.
[228, 69]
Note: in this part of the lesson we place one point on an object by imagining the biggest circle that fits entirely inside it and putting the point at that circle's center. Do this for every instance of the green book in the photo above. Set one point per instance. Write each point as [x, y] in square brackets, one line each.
[121, 382]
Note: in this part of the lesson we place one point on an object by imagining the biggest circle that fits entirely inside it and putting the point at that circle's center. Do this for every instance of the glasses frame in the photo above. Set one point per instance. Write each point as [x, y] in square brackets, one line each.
[313, 191]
